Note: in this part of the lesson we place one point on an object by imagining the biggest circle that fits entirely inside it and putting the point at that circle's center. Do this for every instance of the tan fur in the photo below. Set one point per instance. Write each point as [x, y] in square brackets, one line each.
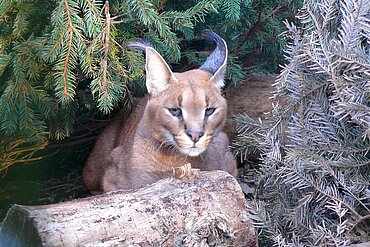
[144, 148]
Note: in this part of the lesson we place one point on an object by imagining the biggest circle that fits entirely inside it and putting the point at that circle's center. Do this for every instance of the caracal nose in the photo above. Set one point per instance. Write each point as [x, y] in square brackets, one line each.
[194, 135]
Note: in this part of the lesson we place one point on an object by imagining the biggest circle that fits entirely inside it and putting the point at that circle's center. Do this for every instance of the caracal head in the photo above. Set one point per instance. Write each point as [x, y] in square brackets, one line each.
[186, 110]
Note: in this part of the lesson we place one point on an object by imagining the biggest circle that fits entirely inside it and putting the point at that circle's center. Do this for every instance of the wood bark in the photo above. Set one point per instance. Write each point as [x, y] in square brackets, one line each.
[209, 211]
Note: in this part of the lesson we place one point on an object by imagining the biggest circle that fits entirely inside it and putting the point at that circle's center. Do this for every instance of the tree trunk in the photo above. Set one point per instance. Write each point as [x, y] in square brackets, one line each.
[209, 211]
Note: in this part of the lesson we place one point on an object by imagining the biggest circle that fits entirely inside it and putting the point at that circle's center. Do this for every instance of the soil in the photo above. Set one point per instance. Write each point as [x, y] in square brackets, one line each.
[252, 96]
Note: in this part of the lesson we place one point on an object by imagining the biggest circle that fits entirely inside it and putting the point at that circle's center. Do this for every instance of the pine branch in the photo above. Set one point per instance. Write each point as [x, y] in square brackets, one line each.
[248, 33]
[315, 149]
[104, 59]
[232, 10]
[18, 152]
[185, 21]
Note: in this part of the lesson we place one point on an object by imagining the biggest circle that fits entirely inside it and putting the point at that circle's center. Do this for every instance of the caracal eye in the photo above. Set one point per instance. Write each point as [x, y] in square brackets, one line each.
[209, 111]
[175, 111]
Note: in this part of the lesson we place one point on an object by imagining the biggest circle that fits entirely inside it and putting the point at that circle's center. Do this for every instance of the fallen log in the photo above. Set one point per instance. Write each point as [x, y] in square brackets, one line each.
[209, 211]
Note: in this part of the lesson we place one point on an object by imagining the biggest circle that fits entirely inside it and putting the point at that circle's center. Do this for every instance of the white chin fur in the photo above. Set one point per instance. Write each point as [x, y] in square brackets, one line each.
[192, 151]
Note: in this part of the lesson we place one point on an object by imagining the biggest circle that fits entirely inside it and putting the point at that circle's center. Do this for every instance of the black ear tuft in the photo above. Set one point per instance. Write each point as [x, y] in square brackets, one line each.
[158, 73]
[217, 60]
[139, 45]
[218, 57]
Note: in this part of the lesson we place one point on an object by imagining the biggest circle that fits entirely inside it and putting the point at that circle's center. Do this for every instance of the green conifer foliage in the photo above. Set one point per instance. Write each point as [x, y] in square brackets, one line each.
[61, 60]
[313, 182]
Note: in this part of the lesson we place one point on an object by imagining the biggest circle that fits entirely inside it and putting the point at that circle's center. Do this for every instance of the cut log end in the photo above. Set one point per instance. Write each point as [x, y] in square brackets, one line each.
[185, 172]
[209, 211]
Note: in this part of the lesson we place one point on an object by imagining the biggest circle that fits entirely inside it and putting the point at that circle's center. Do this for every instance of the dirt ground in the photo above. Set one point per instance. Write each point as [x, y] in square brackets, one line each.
[253, 96]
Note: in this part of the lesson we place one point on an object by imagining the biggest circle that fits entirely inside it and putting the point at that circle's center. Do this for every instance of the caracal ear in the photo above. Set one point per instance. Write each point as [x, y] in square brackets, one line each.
[219, 75]
[158, 73]
[217, 60]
